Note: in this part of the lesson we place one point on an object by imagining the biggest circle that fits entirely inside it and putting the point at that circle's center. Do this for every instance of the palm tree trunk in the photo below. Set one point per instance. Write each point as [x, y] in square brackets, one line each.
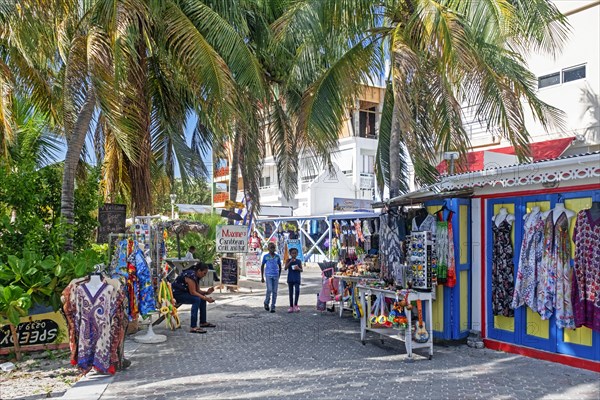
[395, 155]
[139, 169]
[75, 142]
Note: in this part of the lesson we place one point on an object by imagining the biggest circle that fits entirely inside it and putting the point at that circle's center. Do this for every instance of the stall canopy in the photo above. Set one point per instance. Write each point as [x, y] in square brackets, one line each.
[181, 227]
[306, 238]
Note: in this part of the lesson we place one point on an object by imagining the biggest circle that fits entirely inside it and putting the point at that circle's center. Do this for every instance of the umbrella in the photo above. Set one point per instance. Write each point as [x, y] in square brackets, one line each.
[182, 227]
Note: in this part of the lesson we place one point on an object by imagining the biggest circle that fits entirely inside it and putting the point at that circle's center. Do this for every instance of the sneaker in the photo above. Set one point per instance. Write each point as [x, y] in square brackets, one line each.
[272, 309]
[266, 307]
[291, 310]
[296, 309]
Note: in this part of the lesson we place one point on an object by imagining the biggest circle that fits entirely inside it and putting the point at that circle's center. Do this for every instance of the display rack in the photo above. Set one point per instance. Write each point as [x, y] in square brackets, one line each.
[404, 335]
[353, 281]
[422, 260]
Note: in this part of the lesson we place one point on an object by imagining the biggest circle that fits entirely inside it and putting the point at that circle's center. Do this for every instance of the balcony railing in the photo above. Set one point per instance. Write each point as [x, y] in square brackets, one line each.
[223, 171]
[220, 197]
[267, 191]
[367, 181]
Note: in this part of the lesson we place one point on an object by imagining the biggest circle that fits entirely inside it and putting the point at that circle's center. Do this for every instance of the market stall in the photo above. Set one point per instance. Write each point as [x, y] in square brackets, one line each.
[533, 222]
[390, 316]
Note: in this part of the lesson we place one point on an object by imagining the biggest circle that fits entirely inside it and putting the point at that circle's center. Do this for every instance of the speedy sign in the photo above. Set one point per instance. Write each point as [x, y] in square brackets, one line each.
[232, 239]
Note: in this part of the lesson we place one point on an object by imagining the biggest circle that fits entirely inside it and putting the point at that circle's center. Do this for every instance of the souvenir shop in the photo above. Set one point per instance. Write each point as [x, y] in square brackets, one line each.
[324, 238]
[102, 307]
[536, 233]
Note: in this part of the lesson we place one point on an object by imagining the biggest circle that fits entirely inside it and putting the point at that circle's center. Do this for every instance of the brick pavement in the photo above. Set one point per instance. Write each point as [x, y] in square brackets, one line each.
[256, 354]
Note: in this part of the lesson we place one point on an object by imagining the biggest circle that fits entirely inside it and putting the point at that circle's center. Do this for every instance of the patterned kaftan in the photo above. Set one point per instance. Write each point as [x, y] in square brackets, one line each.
[93, 325]
[561, 254]
[502, 270]
[532, 249]
[555, 274]
[389, 246]
[586, 283]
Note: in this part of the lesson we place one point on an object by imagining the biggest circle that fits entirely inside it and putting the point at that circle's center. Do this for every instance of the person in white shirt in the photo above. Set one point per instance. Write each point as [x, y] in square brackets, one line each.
[190, 253]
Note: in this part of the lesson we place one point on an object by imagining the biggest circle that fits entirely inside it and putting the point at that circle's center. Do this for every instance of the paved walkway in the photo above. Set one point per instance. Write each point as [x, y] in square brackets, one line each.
[256, 354]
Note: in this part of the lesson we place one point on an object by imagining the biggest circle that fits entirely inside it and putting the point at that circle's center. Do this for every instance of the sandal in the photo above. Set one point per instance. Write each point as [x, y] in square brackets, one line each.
[208, 325]
[197, 330]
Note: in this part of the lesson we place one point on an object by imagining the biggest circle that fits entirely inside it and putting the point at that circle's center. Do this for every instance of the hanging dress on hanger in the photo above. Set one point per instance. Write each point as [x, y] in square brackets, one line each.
[561, 253]
[502, 269]
[555, 274]
[532, 248]
[586, 283]
[442, 249]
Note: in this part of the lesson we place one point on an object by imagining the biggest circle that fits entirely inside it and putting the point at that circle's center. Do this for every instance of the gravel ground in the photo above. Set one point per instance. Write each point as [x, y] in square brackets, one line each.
[39, 375]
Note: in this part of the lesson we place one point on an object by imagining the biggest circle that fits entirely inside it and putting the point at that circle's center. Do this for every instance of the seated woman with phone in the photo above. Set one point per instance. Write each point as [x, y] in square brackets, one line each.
[186, 290]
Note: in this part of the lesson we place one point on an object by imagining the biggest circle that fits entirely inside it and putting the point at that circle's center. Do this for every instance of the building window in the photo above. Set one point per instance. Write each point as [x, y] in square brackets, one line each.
[265, 181]
[549, 80]
[368, 164]
[572, 74]
[567, 75]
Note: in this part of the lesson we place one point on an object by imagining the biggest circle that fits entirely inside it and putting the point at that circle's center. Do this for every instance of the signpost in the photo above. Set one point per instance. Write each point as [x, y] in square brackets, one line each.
[111, 218]
[232, 239]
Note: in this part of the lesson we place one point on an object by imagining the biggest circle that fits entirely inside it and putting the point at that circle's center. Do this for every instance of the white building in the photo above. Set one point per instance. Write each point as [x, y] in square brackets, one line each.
[354, 161]
[570, 82]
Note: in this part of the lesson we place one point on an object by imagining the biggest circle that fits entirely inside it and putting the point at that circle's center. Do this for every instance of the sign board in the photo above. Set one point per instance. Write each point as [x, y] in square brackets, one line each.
[341, 204]
[36, 332]
[111, 219]
[229, 271]
[253, 260]
[232, 239]
[295, 244]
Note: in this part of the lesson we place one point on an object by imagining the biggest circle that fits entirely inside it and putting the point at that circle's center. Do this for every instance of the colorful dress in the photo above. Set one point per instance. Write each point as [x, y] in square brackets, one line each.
[389, 246]
[586, 283]
[93, 324]
[502, 270]
[555, 274]
[532, 249]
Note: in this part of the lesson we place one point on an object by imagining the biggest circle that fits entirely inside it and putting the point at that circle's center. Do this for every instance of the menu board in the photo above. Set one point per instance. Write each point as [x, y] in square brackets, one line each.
[229, 271]
[111, 219]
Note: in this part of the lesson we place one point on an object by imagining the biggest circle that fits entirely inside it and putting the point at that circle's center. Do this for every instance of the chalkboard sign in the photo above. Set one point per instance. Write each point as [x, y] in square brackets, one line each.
[111, 218]
[229, 271]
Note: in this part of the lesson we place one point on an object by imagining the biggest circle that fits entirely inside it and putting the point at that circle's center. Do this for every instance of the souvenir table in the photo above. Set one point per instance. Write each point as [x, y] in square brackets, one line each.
[404, 334]
[353, 281]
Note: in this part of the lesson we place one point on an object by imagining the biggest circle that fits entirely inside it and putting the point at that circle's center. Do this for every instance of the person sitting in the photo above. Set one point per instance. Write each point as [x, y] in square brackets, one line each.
[190, 253]
[186, 291]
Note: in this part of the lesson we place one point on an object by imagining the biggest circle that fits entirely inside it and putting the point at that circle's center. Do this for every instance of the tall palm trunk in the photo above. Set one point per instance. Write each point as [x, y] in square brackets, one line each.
[395, 155]
[75, 142]
[139, 169]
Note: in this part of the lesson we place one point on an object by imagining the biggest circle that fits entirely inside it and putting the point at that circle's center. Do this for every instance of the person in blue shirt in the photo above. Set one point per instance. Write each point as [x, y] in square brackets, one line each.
[271, 270]
[294, 268]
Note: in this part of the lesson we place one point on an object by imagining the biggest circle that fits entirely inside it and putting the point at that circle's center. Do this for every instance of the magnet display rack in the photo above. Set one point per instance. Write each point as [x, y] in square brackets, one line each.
[422, 260]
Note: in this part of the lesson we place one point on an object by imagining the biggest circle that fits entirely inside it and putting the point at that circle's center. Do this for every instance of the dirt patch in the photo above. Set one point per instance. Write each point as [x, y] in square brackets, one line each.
[39, 375]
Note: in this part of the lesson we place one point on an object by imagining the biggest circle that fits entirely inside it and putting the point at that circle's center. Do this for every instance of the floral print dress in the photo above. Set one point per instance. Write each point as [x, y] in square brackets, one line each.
[586, 282]
[502, 270]
[555, 272]
[531, 257]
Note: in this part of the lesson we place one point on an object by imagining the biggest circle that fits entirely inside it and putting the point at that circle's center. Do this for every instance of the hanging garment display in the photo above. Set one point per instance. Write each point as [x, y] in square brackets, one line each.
[586, 282]
[96, 323]
[427, 224]
[451, 281]
[442, 251]
[130, 266]
[555, 274]
[532, 248]
[390, 248]
[502, 265]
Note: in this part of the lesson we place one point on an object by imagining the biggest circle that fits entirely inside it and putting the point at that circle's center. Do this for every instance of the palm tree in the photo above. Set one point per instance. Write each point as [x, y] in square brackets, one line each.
[141, 67]
[443, 55]
[310, 86]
